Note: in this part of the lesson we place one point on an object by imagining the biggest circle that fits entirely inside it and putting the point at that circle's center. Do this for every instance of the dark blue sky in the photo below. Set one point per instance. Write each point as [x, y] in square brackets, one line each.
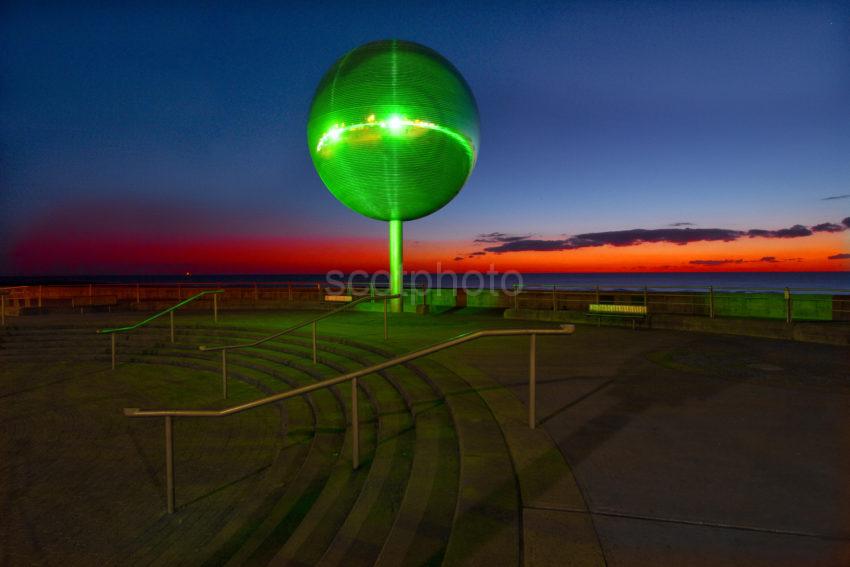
[594, 116]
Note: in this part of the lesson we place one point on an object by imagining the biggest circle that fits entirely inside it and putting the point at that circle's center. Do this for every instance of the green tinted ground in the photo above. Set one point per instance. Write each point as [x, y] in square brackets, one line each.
[688, 448]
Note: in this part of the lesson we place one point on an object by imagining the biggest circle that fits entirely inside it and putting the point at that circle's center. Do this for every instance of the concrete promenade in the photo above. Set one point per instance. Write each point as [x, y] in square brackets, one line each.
[688, 448]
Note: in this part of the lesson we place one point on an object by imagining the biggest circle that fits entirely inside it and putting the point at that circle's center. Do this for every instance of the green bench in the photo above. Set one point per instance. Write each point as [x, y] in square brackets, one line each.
[633, 312]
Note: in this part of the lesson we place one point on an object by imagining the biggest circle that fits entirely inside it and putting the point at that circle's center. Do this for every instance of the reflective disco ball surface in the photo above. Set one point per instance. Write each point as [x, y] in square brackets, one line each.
[393, 130]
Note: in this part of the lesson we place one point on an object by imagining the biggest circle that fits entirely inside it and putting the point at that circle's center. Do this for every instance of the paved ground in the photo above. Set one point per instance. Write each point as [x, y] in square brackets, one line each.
[690, 449]
[698, 449]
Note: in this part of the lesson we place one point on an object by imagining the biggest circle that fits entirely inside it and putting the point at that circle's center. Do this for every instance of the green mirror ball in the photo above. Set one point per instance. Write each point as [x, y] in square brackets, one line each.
[393, 130]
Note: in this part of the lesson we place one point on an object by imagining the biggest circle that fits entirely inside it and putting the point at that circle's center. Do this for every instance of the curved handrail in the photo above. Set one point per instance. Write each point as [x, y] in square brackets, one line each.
[158, 315]
[460, 339]
[297, 326]
[352, 377]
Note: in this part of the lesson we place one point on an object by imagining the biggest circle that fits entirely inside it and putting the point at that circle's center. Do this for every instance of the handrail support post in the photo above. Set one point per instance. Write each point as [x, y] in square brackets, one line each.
[386, 333]
[113, 351]
[169, 464]
[711, 302]
[355, 427]
[315, 354]
[532, 382]
[215, 308]
[171, 317]
[224, 374]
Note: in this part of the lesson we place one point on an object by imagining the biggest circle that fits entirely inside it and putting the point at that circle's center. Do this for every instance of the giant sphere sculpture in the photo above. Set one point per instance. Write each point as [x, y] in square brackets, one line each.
[393, 130]
[393, 133]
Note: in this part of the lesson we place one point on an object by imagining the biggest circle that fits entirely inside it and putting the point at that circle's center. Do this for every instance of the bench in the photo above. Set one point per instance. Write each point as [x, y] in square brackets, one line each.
[339, 298]
[633, 312]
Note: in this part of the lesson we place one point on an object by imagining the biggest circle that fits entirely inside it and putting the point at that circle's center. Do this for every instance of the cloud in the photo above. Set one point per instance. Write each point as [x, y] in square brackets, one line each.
[846, 222]
[479, 253]
[681, 224]
[836, 197]
[458, 258]
[827, 227]
[795, 231]
[765, 259]
[630, 237]
[494, 237]
[716, 262]
[505, 243]
[842, 256]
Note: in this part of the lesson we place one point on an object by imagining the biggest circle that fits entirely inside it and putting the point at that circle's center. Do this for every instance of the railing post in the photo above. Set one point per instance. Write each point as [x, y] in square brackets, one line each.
[256, 293]
[40, 292]
[289, 290]
[711, 301]
[532, 382]
[171, 317]
[386, 334]
[224, 374]
[138, 295]
[169, 464]
[516, 297]
[3, 310]
[355, 427]
[113, 351]
[554, 299]
[315, 324]
[597, 294]
[215, 308]
[789, 316]
[645, 299]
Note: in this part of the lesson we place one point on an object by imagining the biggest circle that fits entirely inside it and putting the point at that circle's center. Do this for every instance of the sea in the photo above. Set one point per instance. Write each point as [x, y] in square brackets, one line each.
[808, 281]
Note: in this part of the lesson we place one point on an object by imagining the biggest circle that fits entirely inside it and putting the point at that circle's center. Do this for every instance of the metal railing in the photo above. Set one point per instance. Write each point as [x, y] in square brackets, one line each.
[352, 377]
[790, 304]
[313, 321]
[170, 311]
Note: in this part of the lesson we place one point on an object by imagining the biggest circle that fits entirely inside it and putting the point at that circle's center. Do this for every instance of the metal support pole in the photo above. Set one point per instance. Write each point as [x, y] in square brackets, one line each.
[789, 315]
[532, 383]
[711, 301]
[256, 293]
[355, 427]
[169, 464]
[289, 290]
[138, 295]
[315, 324]
[3, 310]
[113, 352]
[91, 291]
[40, 292]
[215, 308]
[396, 263]
[597, 294]
[516, 297]
[171, 317]
[224, 374]
[386, 334]
[554, 299]
[645, 299]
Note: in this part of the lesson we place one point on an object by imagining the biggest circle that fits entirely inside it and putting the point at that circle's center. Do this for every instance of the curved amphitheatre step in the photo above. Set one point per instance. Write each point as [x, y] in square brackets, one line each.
[342, 497]
[338, 476]
[427, 497]
[510, 476]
